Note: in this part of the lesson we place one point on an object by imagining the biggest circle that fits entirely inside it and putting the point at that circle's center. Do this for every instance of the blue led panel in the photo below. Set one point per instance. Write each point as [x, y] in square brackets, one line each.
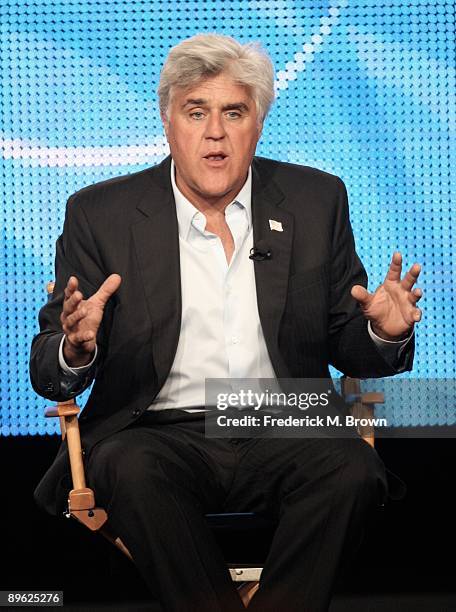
[365, 90]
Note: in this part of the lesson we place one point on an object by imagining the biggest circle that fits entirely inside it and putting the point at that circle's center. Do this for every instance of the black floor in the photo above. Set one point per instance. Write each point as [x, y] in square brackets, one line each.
[406, 562]
[407, 602]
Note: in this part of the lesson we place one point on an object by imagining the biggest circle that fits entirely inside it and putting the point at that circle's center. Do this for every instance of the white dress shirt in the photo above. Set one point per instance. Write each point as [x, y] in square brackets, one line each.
[221, 334]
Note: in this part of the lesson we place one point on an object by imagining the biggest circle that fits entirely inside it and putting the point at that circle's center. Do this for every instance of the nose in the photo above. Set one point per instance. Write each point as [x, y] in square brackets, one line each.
[215, 130]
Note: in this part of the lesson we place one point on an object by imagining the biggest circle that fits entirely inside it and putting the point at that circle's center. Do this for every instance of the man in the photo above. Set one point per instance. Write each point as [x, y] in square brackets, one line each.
[155, 291]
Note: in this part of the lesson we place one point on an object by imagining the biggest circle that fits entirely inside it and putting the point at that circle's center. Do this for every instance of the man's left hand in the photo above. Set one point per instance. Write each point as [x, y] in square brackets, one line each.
[392, 308]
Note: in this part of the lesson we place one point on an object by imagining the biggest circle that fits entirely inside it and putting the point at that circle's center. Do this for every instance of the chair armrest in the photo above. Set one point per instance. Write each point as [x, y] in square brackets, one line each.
[68, 413]
[372, 397]
[362, 405]
[369, 398]
[62, 409]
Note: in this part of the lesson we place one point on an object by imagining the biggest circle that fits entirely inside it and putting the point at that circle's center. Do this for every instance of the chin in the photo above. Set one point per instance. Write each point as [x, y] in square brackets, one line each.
[215, 191]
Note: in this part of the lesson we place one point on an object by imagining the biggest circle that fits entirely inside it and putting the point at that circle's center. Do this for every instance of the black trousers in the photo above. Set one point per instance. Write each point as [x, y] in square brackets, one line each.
[158, 478]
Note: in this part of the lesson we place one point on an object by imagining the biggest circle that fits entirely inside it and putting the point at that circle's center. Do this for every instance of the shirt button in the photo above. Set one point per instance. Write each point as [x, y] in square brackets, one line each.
[234, 339]
[136, 412]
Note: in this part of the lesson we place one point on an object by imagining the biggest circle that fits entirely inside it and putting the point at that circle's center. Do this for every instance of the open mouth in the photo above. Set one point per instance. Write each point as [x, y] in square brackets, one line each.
[215, 156]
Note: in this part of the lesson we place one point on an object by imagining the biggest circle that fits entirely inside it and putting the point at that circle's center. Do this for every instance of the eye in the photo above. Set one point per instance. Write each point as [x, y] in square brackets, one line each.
[198, 115]
[233, 114]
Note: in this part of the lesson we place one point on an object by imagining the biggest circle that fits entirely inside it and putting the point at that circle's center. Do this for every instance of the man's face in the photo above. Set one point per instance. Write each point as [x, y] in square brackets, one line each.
[212, 131]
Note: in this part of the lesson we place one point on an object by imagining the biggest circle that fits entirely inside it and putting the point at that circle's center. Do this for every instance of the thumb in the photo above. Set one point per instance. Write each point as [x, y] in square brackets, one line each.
[108, 288]
[361, 294]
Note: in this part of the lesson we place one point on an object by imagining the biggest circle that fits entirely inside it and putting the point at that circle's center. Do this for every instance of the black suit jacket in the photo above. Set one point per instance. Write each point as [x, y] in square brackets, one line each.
[128, 225]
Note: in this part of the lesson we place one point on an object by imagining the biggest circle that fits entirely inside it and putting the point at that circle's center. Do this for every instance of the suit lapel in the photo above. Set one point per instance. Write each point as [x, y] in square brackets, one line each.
[271, 276]
[156, 238]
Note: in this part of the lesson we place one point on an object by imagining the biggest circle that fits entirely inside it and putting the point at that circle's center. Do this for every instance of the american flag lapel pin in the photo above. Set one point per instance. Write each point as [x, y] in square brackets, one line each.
[275, 226]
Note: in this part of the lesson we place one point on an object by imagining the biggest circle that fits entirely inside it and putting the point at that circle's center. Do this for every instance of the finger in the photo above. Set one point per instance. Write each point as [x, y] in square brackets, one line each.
[417, 314]
[71, 287]
[411, 277]
[80, 337]
[395, 268]
[73, 319]
[416, 295]
[361, 295]
[71, 304]
[110, 286]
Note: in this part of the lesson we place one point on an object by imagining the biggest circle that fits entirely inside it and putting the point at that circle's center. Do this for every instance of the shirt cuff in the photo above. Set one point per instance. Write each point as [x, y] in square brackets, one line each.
[74, 371]
[391, 350]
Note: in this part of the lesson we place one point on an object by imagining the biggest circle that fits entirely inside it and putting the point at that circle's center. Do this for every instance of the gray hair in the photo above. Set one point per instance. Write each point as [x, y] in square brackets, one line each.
[207, 55]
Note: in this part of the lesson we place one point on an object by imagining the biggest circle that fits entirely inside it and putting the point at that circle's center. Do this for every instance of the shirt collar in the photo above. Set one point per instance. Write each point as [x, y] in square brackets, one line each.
[186, 211]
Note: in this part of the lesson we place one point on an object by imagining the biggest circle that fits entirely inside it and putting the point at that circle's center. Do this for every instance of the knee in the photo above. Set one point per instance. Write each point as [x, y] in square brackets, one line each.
[363, 473]
[117, 464]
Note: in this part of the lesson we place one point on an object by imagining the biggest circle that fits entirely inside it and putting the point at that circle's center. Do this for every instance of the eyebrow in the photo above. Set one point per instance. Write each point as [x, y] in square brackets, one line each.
[202, 102]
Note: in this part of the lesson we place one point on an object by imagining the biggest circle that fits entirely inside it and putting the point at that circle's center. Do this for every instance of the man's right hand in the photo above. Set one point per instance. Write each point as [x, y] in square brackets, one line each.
[81, 319]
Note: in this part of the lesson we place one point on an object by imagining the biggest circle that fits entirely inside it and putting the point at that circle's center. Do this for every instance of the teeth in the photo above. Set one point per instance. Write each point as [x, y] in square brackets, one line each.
[216, 157]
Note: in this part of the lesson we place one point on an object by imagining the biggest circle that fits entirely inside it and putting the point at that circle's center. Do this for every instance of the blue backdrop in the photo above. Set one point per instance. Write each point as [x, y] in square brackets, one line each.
[365, 90]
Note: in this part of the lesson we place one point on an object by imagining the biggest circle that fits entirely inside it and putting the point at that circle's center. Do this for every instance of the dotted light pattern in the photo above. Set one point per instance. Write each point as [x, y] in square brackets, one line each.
[365, 90]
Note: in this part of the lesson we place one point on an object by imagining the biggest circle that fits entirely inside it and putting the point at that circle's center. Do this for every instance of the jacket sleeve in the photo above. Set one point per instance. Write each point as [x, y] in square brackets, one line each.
[351, 348]
[77, 255]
